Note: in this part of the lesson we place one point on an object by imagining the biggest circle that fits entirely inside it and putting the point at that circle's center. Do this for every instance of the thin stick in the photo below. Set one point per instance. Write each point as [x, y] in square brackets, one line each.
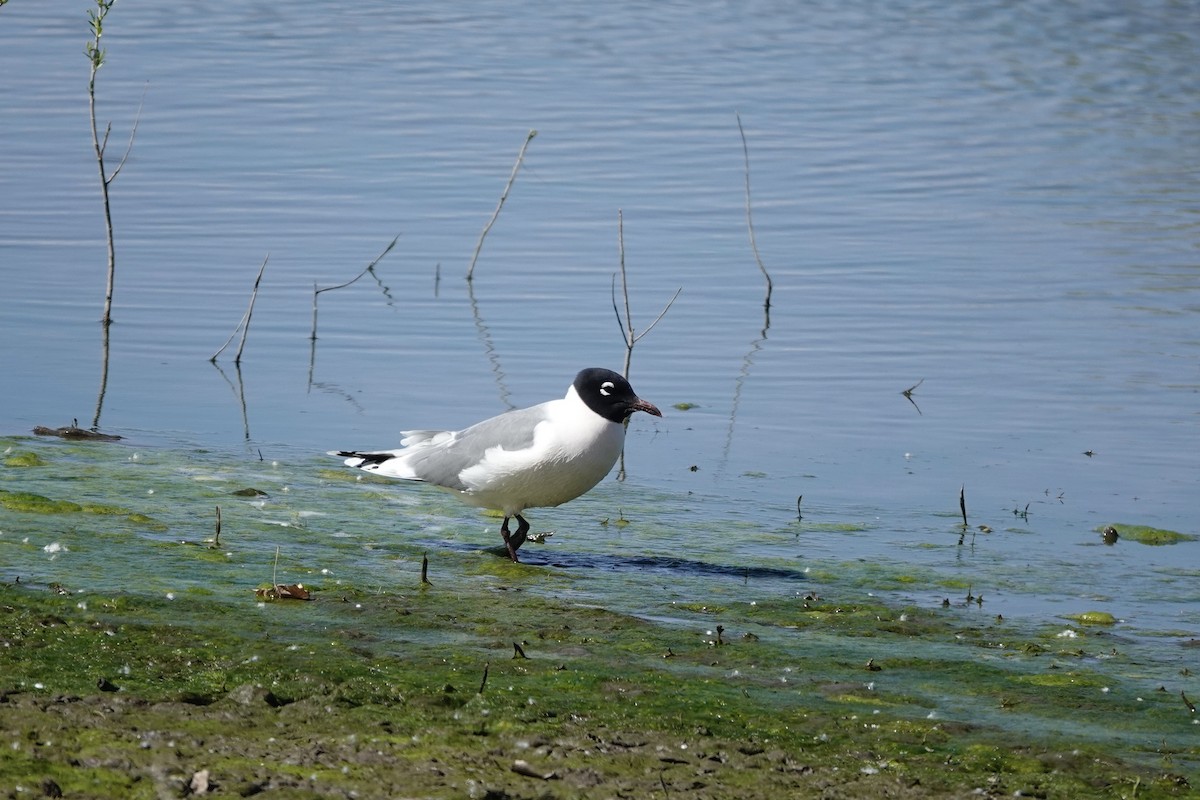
[483, 683]
[627, 329]
[749, 218]
[217, 535]
[132, 135]
[366, 269]
[237, 359]
[96, 58]
[962, 502]
[275, 568]
[626, 325]
[504, 196]
[245, 323]
[425, 570]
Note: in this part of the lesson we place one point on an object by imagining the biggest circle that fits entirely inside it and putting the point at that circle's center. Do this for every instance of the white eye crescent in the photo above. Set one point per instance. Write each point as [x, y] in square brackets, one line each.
[606, 388]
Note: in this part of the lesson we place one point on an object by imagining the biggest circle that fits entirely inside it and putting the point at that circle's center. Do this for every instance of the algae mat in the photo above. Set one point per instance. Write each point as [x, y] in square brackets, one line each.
[137, 660]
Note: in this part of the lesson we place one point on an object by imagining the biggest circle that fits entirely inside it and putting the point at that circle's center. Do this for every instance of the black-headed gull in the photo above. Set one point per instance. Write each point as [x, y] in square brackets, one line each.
[532, 457]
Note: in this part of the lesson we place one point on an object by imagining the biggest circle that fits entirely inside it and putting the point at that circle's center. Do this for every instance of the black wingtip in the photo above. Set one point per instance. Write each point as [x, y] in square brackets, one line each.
[367, 458]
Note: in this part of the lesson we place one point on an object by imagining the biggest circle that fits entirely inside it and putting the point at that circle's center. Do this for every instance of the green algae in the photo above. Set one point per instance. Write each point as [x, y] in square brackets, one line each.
[1144, 534]
[141, 679]
[30, 503]
[290, 701]
[24, 459]
[831, 527]
[1093, 618]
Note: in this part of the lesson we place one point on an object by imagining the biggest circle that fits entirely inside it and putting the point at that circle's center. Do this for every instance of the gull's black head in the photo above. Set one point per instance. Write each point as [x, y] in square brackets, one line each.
[610, 395]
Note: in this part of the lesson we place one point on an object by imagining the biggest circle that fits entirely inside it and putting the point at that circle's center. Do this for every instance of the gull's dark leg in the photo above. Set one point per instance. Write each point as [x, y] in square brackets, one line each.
[519, 537]
[513, 541]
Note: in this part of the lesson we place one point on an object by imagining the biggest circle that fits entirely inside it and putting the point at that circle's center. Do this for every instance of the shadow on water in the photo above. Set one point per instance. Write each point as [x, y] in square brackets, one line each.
[609, 562]
[670, 565]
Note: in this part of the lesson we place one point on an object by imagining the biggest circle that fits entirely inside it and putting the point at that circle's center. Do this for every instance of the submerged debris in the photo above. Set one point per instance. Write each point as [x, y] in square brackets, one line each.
[73, 431]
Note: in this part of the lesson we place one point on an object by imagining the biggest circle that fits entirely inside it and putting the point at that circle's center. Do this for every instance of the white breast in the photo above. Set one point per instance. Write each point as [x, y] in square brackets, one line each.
[572, 451]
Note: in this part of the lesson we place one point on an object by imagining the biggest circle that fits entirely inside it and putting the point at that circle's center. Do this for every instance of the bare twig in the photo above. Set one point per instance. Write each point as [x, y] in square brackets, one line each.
[504, 196]
[750, 221]
[132, 135]
[425, 570]
[244, 325]
[237, 359]
[95, 55]
[962, 502]
[369, 268]
[628, 335]
[216, 542]
[483, 683]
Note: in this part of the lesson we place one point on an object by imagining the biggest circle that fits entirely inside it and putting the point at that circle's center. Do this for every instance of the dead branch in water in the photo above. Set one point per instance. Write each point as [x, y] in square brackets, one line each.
[628, 334]
[369, 268]
[244, 325]
[503, 196]
[750, 226]
[95, 55]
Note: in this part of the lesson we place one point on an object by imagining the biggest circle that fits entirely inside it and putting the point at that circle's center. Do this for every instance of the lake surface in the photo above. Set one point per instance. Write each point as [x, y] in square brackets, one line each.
[994, 203]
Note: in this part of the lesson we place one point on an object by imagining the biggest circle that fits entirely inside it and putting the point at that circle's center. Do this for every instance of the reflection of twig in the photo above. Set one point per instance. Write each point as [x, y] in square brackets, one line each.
[369, 268]
[750, 227]
[747, 362]
[103, 376]
[489, 348]
[239, 392]
[244, 325]
[626, 325]
[504, 196]
[339, 391]
[908, 394]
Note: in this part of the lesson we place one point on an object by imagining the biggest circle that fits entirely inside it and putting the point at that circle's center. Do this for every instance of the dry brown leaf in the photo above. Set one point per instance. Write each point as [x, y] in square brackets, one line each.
[280, 591]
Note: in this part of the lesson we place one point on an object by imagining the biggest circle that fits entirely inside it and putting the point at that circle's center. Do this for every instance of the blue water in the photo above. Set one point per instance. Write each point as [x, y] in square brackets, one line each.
[998, 200]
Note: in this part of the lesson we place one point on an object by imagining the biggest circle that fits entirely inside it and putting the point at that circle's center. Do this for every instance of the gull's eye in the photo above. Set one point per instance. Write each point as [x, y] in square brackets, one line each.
[606, 388]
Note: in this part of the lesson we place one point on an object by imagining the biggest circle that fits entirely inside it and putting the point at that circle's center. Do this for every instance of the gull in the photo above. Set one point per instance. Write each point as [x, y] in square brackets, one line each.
[535, 457]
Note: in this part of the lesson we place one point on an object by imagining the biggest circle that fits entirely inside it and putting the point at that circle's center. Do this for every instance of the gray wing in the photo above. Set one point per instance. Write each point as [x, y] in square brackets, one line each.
[441, 463]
